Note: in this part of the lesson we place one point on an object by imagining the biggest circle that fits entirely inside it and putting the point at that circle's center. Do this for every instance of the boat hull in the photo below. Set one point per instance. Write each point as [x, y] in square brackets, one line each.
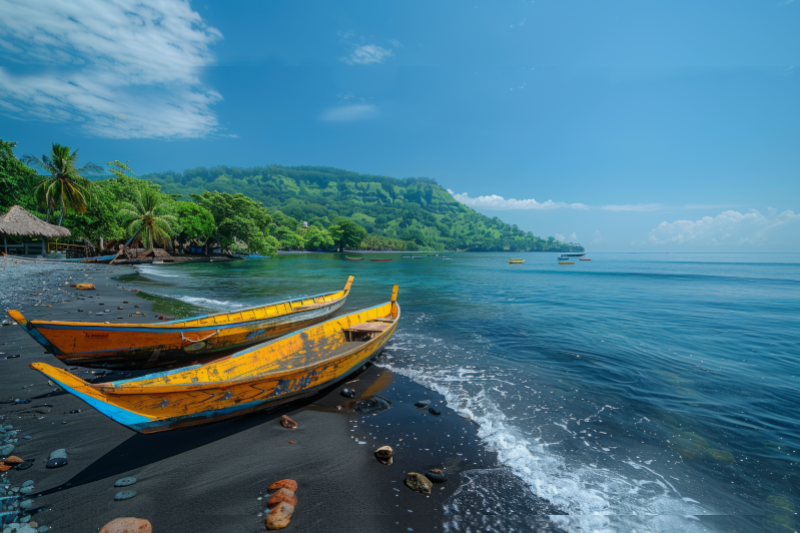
[181, 398]
[130, 346]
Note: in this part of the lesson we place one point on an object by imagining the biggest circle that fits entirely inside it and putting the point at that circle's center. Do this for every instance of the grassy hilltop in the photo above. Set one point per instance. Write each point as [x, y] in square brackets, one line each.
[399, 214]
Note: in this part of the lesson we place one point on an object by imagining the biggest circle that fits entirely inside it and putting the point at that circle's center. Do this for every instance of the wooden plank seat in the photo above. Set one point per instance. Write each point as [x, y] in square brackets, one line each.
[383, 319]
[365, 331]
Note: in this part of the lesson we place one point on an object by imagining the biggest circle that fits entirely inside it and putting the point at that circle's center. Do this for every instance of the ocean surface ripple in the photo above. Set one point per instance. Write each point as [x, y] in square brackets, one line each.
[646, 392]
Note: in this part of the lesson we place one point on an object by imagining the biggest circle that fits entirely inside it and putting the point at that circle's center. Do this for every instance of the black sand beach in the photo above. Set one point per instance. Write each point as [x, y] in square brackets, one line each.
[214, 478]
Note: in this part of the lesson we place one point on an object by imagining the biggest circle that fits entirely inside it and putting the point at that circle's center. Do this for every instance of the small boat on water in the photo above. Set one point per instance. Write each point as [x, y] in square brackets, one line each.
[573, 255]
[566, 262]
[585, 258]
[354, 258]
[262, 377]
[104, 345]
[516, 261]
[380, 259]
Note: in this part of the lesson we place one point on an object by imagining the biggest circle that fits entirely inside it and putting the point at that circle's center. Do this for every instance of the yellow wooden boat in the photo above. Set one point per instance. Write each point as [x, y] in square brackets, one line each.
[516, 261]
[261, 377]
[566, 262]
[104, 345]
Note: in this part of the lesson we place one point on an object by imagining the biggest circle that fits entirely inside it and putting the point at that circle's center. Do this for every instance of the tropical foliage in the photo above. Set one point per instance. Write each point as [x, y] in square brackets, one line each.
[148, 216]
[312, 208]
[407, 214]
[66, 186]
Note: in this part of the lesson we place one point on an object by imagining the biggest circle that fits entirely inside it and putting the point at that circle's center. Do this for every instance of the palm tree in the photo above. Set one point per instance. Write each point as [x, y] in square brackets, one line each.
[148, 214]
[65, 187]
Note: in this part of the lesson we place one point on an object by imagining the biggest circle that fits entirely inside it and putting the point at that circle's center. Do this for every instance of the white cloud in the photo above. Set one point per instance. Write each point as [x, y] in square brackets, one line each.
[573, 236]
[499, 203]
[598, 238]
[729, 227]
[559, 237]
[368, 54]
[117, 69]
[350, 112]
[634, 207]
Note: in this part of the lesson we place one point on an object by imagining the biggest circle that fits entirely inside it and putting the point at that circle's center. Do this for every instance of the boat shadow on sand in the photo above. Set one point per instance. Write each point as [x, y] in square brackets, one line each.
[141, 450]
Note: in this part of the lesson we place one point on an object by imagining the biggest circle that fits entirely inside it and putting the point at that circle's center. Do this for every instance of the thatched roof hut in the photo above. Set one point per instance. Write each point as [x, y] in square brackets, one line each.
[21, 223]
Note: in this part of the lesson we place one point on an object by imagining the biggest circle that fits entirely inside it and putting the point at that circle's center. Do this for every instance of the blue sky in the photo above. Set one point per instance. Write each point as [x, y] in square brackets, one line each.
[642, 126]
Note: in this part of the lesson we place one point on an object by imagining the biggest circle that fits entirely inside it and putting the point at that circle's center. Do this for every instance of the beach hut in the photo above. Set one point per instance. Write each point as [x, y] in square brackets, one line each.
[19, 223]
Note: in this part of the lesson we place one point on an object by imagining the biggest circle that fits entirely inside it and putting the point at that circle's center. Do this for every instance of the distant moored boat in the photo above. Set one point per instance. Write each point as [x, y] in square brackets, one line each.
[586, 258]
[380, 259]
[516, 261]
[566, 262]
[354, 258]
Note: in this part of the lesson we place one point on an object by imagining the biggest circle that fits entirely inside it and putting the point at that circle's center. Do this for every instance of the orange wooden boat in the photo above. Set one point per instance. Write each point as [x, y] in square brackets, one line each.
[103, 345]
[586, 258]
[354, 258]
[566, 262]
[261, 377]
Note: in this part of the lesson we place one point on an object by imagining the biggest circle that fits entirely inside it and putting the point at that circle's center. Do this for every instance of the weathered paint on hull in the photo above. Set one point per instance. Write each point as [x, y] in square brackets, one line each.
[253, 380]
[180, 341]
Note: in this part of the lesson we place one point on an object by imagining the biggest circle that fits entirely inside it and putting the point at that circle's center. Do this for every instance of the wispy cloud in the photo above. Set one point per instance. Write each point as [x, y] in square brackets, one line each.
[729, 227]
[351, 112]
[116, 71]
[367, 55]
[495, 202]
[641, 208]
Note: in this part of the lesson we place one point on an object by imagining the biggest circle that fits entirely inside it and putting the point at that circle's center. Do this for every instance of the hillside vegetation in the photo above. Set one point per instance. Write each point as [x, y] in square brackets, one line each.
[398, 214]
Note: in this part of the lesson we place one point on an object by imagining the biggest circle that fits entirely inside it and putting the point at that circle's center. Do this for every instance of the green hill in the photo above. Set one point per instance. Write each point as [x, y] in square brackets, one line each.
[417, 211]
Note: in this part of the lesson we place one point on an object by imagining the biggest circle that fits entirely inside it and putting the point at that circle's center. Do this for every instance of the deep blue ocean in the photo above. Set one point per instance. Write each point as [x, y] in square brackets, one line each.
[646, 392]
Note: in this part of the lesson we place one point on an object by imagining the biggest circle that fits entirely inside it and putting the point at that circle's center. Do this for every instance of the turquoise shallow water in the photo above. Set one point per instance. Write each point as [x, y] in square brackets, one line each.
[637, 391]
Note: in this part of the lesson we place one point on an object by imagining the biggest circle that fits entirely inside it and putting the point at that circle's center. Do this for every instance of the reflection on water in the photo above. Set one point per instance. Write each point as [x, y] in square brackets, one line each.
[635, 384]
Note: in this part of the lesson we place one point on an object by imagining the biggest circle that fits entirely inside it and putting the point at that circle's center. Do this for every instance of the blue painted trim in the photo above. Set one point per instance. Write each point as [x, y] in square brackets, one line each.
[38, 337]
[117, 414]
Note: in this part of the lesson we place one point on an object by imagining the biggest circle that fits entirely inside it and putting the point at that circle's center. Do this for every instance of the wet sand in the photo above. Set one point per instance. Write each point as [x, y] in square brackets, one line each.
[210, 478]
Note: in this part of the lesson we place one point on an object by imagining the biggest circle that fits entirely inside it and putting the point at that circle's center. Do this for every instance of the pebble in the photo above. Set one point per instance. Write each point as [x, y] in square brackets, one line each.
[7, 449]
[125, 482]
[289, 423]
[28, 483]
[372, 405]
[419, 483]
[61, 453]
[422, 404]
[434, 411]
[282, 495]
[280, 516]
[58, 462]
[27, 437]
[124, 495]
[436, 475]
[288, 484]
[26, 504]
[25, 465]
[384, 455]
[348, 393]
[128, 525]
[119, 308]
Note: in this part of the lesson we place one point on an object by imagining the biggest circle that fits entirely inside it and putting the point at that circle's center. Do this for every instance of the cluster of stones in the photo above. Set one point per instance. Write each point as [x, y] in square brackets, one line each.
[418, 482]
[15, 508]
[281, 503]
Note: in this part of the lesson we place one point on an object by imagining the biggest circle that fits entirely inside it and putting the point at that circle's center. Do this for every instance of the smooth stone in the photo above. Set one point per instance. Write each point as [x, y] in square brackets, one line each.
[372, 405]
[58, 462]
[8, 428]
[22, 400]
[26, 490]
[280, 516]
[26, 529]
[61, 453]
[125, 482]
[282, 495]
[124, 495]
[128, 525]
[27, 437]
[43, 529]
[436, 475]
[26, 504]
[7, 449]
[434, 411]
[119, 308]
[25, 465]
[690, 445]
[288, 484]
[384, 455]
[28, 483]
[348, 393]
[419, 483]
[289, 423]
[719, 455]
[422, 404]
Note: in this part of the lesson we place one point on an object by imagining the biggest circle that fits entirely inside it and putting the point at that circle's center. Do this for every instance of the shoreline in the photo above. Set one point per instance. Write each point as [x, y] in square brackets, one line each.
[211, 476]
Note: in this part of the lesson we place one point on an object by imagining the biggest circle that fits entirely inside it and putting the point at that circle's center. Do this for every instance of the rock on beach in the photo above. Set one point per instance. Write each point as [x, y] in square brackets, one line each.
[282, 495]
[288, 484]
[128, 525]
[280, 516]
